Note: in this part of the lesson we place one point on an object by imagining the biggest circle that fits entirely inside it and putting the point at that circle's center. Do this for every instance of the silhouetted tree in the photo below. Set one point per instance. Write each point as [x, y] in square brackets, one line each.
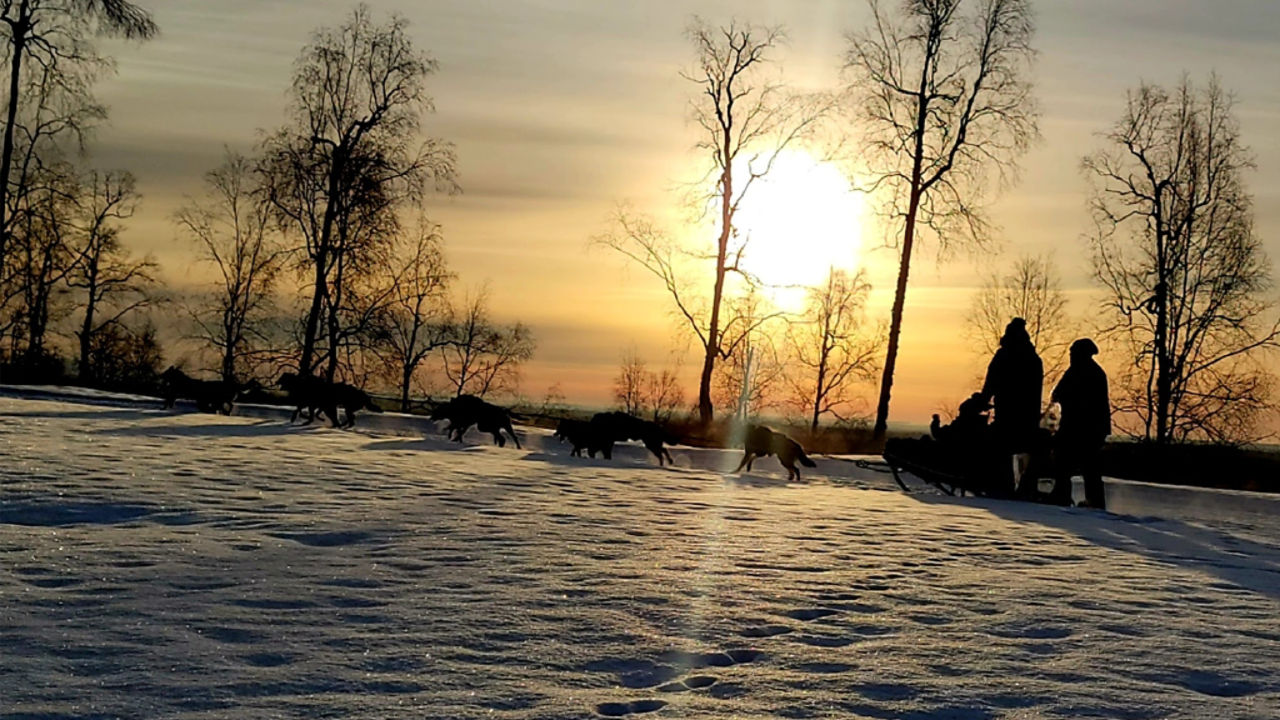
[830, 348]
[231, 230]
[746, 121]
[1186, 278]
[57, 110]
[945, 94]
[662, 394]
[746, 379]
[640, 391]
[1030, 289]
[48, 43]
[482, 356]
[413, 324]
[553, 401]
[352, 155]
[124, 358]
[629, 384]
[42, 254]
[113, 285]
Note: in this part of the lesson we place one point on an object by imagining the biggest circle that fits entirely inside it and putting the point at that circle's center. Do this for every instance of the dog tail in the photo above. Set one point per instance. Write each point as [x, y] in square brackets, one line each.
[805, 461]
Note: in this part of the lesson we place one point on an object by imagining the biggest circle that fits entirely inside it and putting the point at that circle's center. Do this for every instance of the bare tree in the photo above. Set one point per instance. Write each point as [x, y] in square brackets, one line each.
[662, 394]
[412, 326]
[640, 391]
[945, 96]
[351, 156]
[628, 386]
[553, 401]
[1186, 279]
[482, 356]
[747, 379]
[51, 40]
[746, 121]
[42, 254]
[1032, 290]
[830, 349]
[113, 284]
[57, 112]
[231, 229]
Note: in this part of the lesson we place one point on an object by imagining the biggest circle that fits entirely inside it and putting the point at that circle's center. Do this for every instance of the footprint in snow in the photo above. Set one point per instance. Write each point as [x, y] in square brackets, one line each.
[635, 707]
[696, 682]
[807, 614]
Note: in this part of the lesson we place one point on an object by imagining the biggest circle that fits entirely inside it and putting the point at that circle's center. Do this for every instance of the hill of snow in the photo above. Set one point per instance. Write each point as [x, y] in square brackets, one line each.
[157, 564]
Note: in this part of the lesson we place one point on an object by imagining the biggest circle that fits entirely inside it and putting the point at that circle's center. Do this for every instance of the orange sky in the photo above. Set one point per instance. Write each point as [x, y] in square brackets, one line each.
[560, 109]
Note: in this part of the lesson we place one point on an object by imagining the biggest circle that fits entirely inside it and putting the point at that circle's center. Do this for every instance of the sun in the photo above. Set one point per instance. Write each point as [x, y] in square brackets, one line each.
[799, 221]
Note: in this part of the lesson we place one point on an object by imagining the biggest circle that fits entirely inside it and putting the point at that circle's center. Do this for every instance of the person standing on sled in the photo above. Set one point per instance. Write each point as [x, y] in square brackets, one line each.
[1084, 425]
[1015, 379]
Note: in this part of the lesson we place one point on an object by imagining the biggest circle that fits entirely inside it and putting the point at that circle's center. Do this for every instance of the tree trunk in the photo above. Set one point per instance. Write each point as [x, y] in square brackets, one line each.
[706, 413]
[17, 46]
[817, 395]
[313, 317]
[1164, 380]
[322, 270]
[229, 362]
[86, 336]
[404, 387]
[333, 323]
[904, 267]
[895, 322]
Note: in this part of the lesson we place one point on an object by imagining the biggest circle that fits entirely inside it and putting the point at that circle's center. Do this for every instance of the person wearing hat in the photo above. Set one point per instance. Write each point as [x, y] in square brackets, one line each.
[1084, 425]
[1015, 383]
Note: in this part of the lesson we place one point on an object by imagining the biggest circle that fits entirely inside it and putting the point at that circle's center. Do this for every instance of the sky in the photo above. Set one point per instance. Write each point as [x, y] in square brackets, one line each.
[562, 109]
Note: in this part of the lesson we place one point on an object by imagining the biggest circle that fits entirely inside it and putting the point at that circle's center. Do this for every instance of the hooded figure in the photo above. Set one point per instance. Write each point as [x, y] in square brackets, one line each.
[1015, 380]
[1085, 423]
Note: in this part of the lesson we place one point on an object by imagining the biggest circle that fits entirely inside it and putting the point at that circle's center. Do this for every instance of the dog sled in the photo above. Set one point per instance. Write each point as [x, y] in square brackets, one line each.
[953, 471]
[963, 457]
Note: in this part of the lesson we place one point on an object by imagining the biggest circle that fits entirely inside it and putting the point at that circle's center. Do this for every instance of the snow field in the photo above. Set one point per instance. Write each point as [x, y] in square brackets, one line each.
[155, 564]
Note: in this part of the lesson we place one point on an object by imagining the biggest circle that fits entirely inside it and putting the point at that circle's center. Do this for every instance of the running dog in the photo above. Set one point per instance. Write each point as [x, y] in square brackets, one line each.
[313, 394]
[211, 396]
[580, 434]
[762, 442]
[614, 427]
[466, 410]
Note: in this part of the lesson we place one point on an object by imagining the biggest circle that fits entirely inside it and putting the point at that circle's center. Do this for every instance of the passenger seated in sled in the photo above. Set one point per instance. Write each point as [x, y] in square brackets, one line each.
[960, 456]
[968, 428]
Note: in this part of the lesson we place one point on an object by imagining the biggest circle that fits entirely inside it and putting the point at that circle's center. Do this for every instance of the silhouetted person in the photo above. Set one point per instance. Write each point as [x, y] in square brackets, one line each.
[1015, 380]
[969, 428]
[1084, 426]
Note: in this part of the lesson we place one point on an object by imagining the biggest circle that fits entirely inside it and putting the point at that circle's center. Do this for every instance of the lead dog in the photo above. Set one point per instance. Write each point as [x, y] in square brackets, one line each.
[762, 442]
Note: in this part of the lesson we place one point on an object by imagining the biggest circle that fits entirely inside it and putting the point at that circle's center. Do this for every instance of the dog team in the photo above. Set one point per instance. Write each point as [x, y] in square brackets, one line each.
[598, 435]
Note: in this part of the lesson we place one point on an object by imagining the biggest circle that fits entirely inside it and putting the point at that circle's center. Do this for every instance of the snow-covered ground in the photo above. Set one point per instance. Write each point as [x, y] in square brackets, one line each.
[162, 565]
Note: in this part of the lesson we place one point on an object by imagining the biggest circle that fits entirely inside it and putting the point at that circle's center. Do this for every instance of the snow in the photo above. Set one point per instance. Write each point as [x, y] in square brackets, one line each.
[179, 565]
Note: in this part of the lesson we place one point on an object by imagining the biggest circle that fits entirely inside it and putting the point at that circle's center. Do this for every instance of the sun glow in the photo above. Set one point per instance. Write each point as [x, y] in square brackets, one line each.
[799, 221]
